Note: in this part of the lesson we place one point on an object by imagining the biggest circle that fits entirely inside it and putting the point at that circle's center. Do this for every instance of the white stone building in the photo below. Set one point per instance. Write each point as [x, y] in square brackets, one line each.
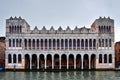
[81, 48]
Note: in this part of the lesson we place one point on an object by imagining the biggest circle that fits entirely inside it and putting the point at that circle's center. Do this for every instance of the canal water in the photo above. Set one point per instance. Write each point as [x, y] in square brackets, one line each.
[70, 75]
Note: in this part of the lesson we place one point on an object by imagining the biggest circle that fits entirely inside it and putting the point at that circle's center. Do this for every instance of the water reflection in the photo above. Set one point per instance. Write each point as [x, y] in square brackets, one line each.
[70, 75]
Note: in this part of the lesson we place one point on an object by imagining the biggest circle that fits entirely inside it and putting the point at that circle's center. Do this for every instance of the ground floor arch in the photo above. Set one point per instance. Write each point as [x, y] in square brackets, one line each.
[93, 61]
[71, 61]
[27, 61]
[86, 61]
[49, 61]
[56, 61]
[41, 61]
[63, 61]
[78, 61]
[34, 61]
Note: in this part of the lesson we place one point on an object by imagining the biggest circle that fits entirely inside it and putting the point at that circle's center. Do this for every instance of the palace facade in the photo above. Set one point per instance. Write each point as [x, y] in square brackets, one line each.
[80, 48]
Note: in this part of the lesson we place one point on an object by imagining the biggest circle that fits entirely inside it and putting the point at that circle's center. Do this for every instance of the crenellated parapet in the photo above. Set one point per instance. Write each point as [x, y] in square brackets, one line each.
[68, 30]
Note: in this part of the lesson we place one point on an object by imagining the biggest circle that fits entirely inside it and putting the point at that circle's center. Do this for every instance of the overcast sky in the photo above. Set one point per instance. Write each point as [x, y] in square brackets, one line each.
[60, 13]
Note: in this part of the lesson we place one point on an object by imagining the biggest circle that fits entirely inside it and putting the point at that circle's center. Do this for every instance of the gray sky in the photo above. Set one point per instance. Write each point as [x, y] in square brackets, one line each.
[60, 13]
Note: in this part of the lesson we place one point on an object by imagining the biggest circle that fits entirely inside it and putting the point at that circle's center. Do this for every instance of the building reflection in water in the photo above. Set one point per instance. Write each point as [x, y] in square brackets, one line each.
[69, 75]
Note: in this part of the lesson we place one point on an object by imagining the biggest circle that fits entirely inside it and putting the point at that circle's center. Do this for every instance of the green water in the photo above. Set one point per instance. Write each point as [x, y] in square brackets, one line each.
[70, 75]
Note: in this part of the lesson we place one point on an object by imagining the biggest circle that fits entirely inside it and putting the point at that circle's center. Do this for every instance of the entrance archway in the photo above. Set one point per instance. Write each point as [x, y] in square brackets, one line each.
[71, 61]
[41, 61]
[78, 61]
[63, 61]
[86, 62]
[93, 61]
[56, 61]
[27, 61]
[49, 61]
[34, 61]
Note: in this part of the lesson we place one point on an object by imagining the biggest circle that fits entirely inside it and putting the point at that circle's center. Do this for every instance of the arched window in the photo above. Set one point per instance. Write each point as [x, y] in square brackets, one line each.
[16, 42]
[78, 43]
[70, 43]
[20, 29]
[29, 43]
[9, 42]
[49, 43]
[25, 43]
[13, 42]
[19, 58]
[94, 43]
[100, 58]
[58, 45]
[37, 43]
[82, 44]
[99, 29]
[66, 44]
[14, 58]
[104, 29]
[54, 43]
[110, 58]
[15, 29]
[9, 58]
[109, 28]
[105, 58]
[102, 42]
[74, 43]
[10, 28]
[86, 43]
[90, 43]
[41, 43]
[99, 43]
[33, 43]
[110, 44]
[20, 43]
[106, 43]
[62, 44]
[45, 43]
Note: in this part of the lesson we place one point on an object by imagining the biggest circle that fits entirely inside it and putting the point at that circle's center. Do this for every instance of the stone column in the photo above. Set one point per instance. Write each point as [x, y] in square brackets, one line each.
[27, 47]
[80, 44]
[88, 44]
[67, 62]
[37, 61]
[89, 61]
[82, 61]
[107, 58]
[30, 62]
[11, 42]
[31, 43]
[53, 62]
[45, 61]
[60, 43]
[35, 44]
[60, 62]
[74, 61]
